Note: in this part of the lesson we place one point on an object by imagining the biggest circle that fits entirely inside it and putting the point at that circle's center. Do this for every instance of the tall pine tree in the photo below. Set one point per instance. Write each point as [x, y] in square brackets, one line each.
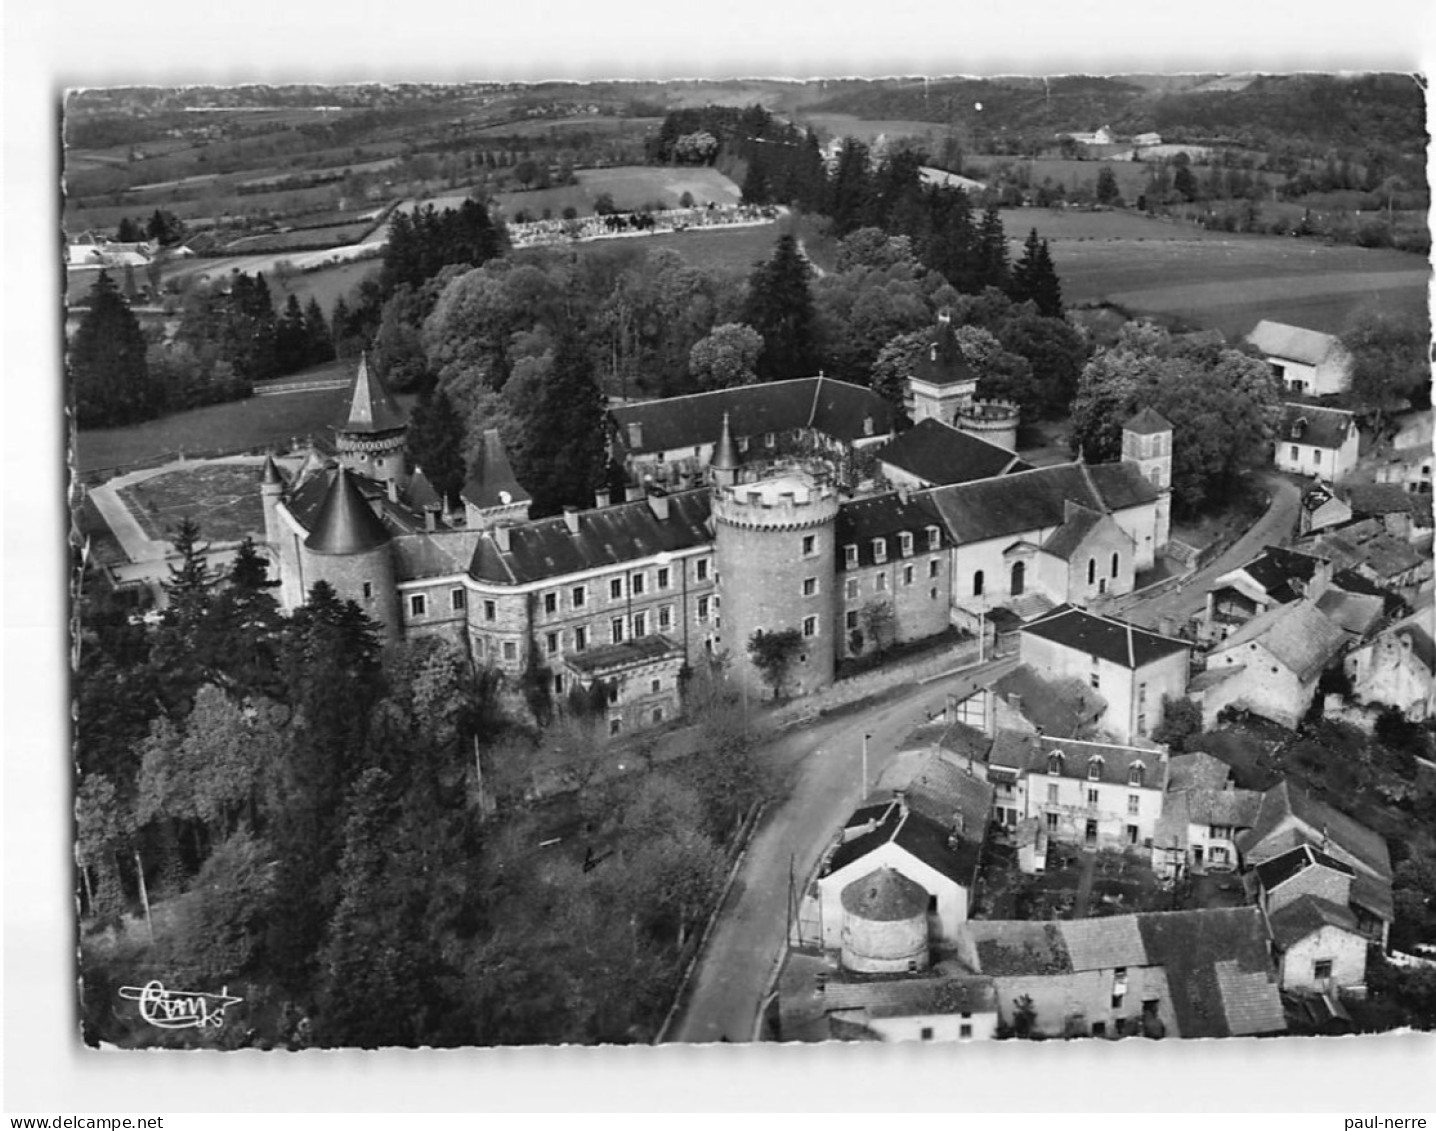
[1034, 278]
[780, 308]
[436, 443]
[109, 375]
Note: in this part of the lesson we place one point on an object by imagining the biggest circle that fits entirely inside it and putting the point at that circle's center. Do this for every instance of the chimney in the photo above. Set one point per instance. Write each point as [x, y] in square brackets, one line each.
[570, 519]
[393, 488]
[431, 519]
[1166, 625]
[501, 539]
[633, 492]
[600, 498]
[658, 504]
[635, 434]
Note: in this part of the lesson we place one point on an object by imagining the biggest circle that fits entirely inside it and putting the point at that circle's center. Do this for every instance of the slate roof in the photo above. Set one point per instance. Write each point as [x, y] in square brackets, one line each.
[371, 409]
[1279, 869]
[1014, 504]
[1219, 970]
[942, 363]
[628, 654]
[835, 408]
[921, 836]
[1060, 708]
[491, 477]
[1067, 538]
[1317, 427]
[1196, 771]
[424, 555]
[939, 454]
[884, 895]
[886, 516]
[1316, 820]
[1148, 422]
[1365, 544]
[1008, 947]
[1298, 635]
[912, 997]
[1306, 915]
[1030, 752]
[1113, 640]
[1379, 499]
[1416, 628]
[344, 522]
[1237, 808]
[544, 548]
[420, 492]
[943, 791]
[1104, 944]
[1354, 613]
[1276, 568]
[1294, 343]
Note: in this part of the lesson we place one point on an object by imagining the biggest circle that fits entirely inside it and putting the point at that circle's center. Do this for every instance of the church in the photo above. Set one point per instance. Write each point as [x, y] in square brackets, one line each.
[789, 505]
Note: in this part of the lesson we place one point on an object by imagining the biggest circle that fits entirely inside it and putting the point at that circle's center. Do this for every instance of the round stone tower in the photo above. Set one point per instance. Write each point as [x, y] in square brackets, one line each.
[350, 547]
[993, 421]
[774, 543]
[884, 924]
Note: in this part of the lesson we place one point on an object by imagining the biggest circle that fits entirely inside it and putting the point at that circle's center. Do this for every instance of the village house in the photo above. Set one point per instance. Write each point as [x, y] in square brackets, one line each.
[1321, 508]
[1397, 668]
[1269, 666]
[953, 1008]
[1185, 974]
[1290, 818]
[1307, 362]
[1095, 794]
[1133, 670]
[1320, 442]
[1023, 700]
[1306, 895]
[1275, 577]
[1407, 460]
[1202, 815]
[1403, 514]
[1364, 547]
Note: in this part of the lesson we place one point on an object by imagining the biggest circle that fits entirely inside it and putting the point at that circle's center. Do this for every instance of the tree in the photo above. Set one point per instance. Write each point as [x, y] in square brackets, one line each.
[1107, 190]
[109, 373]
[319, 339]
[436, 443]
[773, 654]
[879, 623]
[895, 364]
[780, 309]
[726, 357]
[129, 232]
[557, 440]
[291, 340]
[1181, 722]
[1034, 278]
[225, 917]
[1390, 362]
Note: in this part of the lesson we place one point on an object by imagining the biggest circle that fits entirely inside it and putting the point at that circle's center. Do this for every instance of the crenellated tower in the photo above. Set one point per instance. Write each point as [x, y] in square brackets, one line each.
[372, 437]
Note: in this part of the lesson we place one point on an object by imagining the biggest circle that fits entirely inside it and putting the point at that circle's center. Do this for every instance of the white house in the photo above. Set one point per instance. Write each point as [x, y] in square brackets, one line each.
[1398, 668]
[1202, 815]
[1307, 362]
[1319, 442]
[961, 1008]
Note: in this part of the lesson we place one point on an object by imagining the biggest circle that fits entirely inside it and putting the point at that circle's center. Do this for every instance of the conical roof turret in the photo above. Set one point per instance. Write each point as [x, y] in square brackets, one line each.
[345, 523]
[371, 409]
[725, 455]
[271, 478]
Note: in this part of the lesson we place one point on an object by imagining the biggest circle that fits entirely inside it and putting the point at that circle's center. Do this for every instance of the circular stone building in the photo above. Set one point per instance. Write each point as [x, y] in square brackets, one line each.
[774, 543]
[884, 924]
[993, 421]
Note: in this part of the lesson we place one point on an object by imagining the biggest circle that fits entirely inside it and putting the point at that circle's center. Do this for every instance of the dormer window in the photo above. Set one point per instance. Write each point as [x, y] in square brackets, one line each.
[934, 538]
[906, 539]
[1054, 762]
[1136, 774]
[1094, 769]
[880, 550]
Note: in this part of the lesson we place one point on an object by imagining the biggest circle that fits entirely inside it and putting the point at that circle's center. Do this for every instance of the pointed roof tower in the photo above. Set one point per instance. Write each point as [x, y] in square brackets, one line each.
[345, 523]
[725, 454]
[272, 477]
[371, 409]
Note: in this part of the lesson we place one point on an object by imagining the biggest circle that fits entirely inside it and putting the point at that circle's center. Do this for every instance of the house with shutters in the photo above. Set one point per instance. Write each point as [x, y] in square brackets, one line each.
[1318, 442]
[1203, 814]
[1306, 362]
[1305, 895]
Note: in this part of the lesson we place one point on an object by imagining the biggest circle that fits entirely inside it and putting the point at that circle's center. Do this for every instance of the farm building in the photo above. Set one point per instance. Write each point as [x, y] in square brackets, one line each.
[1307, 362]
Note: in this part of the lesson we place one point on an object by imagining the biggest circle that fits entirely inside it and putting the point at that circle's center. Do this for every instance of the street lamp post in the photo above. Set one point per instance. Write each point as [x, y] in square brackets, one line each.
[863, 792]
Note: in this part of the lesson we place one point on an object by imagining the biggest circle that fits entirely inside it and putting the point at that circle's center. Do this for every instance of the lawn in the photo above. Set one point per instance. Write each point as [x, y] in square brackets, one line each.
[631, 186]
[730, 249]
[223, 499]
[250, 425]
[326, 285]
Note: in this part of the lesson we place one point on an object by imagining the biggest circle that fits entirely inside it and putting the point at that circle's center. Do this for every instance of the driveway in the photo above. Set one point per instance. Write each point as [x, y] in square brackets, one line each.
[824, 768]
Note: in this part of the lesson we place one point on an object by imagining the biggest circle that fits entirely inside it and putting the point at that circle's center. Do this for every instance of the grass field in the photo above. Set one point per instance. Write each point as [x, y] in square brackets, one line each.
[326, 285]
[865, 130]
[720, 249]
[223, 499]
[631, 186]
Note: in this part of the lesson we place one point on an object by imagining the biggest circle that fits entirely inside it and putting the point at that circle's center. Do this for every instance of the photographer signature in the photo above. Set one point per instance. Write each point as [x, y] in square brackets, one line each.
[179, 1009]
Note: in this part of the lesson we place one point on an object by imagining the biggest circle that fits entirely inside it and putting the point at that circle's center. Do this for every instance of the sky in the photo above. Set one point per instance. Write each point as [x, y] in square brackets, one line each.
[84, 43]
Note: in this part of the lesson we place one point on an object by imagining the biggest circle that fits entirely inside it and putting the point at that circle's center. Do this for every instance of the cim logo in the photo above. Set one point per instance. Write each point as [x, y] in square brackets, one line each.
[179, 1009]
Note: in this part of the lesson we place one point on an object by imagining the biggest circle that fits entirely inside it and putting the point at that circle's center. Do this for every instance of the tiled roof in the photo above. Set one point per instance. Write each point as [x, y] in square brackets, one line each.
[1416, 629]
[626, 532]
[924, 838]
[491, 481]
[1294, 343]
[1011, 505]
[629, 654]
[1115, 641]
[1104, 944]
[1355, 613]
[1278, 870]
[1061, 708]
[1378, 499]
[1299, 635]
[1219, 970]
[912, 997]
[1031, 752]
[1237, 808]
[1197, 771]
[939, 454]
[1067, 538]
[1365, 543]
[420, 492]
[835, 408]
[884, 895]
[1148, 422]
[1374, 895]
[1007, 947]
[1317, 427]
[1276, 568]
[886, 516]
[1305, 915]
[1316, 821]
[942, 362]
[944, 791]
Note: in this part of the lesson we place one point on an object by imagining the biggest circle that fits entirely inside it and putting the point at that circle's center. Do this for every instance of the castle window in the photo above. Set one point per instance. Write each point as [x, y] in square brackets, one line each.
[558, 683]
[637, 584]
[580, 638]
[663, 578]
[551, 643]
[905, 540]
[769, 439]
[880, 582]
[810, 626]
[933, 567]
[1321, 969]
[511, 650]
[880, 549]
[810, 586]
[665, 618]
[810, 542]
[1094, 769]
[1091, 570]
[550, 603]
[1294, 453]
[640, 624]
[458, 599]
[615, 628]
[615, 725]
[934, 538]
[578, 596]
[907, 575]
[977, 583]
[615, 588]
[1116, 563]
[418, 605]
[1092, 796]
[378, 461]
[368, 590]
[852, 588]
[850, 619]
[850, 556]
[491, 610]
[656, 686]
[701, 568]
[702, 608]
[657, 714]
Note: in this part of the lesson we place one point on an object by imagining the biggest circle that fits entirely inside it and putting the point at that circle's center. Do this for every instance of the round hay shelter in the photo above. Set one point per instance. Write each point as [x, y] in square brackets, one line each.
[884, 924]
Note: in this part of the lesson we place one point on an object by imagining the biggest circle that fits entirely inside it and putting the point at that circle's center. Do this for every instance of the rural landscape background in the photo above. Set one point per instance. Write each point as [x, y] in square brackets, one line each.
[1316, 278]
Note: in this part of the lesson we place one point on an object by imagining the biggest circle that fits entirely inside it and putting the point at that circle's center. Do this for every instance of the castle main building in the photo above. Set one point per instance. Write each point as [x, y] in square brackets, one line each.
[726, 537]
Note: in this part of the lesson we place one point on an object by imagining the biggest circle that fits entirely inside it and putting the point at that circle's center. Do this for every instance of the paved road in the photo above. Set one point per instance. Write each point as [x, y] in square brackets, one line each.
[824, 767]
